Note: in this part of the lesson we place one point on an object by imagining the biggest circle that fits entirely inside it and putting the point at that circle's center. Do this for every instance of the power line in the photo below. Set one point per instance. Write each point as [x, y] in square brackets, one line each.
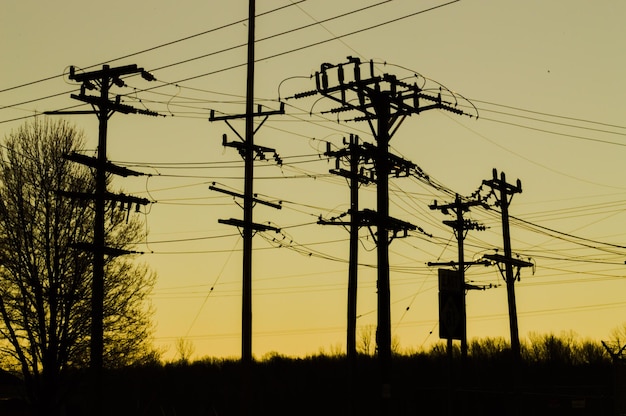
[554, 122]
[287, 32]
[574, 136]
[548, 114]
[218, 52]
[217, 278]
[153, 48]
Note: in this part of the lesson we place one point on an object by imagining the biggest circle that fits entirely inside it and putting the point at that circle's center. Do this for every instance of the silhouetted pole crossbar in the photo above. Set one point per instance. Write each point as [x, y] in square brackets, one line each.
[384, 102]
[103, 108]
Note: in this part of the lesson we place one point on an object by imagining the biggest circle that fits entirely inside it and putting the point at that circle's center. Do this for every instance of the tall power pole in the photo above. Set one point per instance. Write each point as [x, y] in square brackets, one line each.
[248, 203]
[384, 102]
[504, 195]
[358, 155]
[104, 108]
[248, 150]
[355, 154]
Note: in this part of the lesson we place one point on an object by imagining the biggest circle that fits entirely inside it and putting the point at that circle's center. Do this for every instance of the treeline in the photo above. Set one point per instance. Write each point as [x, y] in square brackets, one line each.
[557, 375]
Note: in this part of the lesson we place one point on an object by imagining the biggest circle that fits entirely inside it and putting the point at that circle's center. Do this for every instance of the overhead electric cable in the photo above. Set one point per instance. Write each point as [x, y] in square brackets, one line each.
[574, 136]
[300, 48]
[287, 32]
[153, 48]
[549, 114]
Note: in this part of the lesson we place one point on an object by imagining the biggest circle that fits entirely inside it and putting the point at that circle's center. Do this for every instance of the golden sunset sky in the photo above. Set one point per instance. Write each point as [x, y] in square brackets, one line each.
[547, 79]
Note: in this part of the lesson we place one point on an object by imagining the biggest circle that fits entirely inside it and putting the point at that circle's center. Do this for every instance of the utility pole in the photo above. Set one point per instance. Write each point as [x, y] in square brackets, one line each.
[103, 79]
[356, 154]
[503, 200]
[460, 226]
[248, 150]
[248, 203]
[384, 102]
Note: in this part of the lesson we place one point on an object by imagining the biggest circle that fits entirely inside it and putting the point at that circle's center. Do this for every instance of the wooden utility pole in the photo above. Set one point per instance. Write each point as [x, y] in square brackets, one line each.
[248, 203]
[506, 192]
[384, 102]
[248, 150]
[355, 153]
[103, 108]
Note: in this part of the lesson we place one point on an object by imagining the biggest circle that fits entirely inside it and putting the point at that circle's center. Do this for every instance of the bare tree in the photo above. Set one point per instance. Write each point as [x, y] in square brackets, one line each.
[45, 278]
[366, 344]
[184, 350]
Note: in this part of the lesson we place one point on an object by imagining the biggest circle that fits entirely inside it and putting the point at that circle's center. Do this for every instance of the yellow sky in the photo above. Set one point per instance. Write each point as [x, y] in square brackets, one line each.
[547, 78]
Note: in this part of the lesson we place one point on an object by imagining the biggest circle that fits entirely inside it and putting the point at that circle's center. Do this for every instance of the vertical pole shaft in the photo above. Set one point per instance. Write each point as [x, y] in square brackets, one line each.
[97, 291]
[510, 279]
[246, 310]
[353, 267]
[246, 295]
[460, 228]
[383, 332]
[354, 247]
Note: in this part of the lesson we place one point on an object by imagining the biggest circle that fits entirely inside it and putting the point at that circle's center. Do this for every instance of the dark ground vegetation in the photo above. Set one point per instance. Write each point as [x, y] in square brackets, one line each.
[554, 378]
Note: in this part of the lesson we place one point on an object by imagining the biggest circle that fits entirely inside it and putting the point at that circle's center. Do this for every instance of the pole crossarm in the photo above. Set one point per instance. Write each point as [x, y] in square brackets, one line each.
[243, 147]
[242, 224]
[516, 263]
[455, 264]
[253, 114]
[93, 162]
[398, 166]
[115, 106]
[360, 177]
[467, 225]
[238, 195]
[258, 113]
[469, 286]
[372, 218]
[112, 73]
[499, 258]
[123, 198]
[355, 154]
[108, 251]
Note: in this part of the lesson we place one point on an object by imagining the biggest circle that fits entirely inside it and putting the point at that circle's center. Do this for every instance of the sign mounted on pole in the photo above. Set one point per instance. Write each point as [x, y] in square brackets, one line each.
[451, 322]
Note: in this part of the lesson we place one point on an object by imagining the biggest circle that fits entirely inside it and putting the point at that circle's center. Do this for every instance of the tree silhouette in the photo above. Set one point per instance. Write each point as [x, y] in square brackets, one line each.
[45, 277]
